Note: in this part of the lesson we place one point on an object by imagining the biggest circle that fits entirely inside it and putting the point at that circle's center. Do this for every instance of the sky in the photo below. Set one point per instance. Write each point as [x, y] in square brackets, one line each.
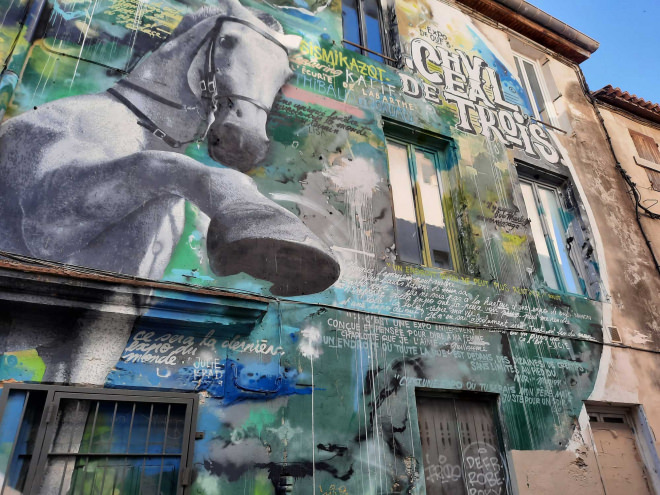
[629, 36]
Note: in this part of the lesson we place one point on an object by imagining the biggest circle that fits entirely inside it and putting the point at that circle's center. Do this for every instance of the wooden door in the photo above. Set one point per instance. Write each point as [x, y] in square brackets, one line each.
[620, 464]
[461, 447]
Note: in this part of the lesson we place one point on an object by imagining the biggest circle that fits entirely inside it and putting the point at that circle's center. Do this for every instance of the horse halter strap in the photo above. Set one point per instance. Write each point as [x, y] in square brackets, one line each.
[208, 83]
[208, 86]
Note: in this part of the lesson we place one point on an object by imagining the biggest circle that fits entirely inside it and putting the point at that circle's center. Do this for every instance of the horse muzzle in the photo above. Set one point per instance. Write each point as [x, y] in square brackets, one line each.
[237, 147]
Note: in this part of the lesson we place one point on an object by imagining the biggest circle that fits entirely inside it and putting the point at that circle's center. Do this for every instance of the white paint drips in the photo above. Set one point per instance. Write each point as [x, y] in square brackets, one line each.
[353, 174]
[310, 344]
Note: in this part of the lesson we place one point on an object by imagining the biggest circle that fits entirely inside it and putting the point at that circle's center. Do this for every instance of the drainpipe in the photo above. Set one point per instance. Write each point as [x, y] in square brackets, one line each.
[18, 53]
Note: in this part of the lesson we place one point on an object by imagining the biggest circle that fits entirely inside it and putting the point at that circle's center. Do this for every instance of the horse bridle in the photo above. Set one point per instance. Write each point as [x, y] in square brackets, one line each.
[208, 86]
[208, 83]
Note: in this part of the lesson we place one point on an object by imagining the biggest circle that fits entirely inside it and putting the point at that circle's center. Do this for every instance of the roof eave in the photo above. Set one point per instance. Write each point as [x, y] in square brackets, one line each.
[538, 26]
[630, 103]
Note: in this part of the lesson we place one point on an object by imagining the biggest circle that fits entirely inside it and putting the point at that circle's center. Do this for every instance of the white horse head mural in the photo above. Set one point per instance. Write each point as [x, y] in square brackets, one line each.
[100, 180]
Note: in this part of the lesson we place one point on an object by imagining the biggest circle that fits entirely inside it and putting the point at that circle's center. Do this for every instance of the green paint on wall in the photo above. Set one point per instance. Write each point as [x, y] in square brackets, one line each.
[259, 419]
[22, 366]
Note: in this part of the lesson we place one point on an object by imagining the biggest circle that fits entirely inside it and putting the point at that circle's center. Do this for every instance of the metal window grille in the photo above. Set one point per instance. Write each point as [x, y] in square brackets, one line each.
[73, 441]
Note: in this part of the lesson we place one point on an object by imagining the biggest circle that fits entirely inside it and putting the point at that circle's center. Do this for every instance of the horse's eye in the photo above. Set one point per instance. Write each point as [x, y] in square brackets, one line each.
[227, 41]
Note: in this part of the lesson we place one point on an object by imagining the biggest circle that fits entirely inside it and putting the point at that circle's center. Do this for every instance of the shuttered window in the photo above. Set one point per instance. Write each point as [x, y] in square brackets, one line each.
[462, 446]
[647, 149]
[654, 177]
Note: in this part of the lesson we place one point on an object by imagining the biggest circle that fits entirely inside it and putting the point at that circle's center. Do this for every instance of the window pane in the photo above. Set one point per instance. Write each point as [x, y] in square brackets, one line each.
[351, 24]
[29, 405]
[539, 238]
[554, 221]
[523, 82]
[372, 24]
[537, 94]
[436, 230]
[407, 233]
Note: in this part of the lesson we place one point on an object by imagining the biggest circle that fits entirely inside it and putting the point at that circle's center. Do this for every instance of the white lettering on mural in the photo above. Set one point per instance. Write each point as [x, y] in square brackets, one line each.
[475, 90]
[174, 348]
[535, 380]
[238, 344]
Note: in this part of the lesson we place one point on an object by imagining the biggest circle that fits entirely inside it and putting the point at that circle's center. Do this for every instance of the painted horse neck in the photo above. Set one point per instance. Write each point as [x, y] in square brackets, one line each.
[165, 74]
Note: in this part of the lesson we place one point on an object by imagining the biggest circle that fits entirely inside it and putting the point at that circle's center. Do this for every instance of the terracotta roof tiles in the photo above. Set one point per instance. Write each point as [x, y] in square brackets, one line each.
[631, 103]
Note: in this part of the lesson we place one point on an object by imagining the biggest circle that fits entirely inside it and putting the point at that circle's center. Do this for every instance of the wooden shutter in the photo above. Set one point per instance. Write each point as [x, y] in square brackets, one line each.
[654, 177]
[646, 147]
[461, 447]
[443, 469]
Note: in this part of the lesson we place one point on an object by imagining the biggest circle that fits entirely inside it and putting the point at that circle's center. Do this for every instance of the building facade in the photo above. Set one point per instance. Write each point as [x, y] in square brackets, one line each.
[319, 247]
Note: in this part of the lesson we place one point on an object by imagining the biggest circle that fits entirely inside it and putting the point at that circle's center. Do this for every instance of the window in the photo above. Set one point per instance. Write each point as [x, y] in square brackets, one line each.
[365, 30]
[649, 157]
[621, 453]
[68, 440]
[462, 446]
[423, 225]
[529, 76]
[547, 216]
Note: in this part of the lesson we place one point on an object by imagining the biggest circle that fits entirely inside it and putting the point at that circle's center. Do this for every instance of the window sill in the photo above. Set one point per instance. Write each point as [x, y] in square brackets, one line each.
[416, 269]
[556, 292]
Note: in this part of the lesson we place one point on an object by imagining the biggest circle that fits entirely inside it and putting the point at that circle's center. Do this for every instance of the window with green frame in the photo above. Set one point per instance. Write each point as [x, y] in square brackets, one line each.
[549, 225]
[424, 225]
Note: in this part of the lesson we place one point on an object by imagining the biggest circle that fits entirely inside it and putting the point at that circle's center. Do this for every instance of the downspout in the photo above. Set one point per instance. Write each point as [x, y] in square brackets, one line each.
[624, 174]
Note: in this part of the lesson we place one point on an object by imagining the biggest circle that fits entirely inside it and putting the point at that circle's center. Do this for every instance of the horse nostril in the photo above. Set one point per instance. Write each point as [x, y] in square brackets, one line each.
[239, 113]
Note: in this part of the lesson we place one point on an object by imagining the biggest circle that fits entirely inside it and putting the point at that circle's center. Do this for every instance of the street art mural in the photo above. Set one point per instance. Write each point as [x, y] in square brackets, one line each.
[206, 100]
[239, 146]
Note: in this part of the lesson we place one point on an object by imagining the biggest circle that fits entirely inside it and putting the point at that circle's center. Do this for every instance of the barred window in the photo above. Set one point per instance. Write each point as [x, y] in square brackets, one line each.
[67, 440]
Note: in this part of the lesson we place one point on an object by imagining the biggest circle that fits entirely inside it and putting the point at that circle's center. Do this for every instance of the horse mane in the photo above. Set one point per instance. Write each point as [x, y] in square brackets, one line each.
[194, 18]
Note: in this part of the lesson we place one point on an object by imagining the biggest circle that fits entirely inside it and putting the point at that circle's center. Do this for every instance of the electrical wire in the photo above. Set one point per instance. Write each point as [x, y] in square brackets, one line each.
[633, 187]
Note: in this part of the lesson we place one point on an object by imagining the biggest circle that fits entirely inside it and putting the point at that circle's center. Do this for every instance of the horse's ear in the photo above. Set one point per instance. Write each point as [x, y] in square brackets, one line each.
[290, 41]
[231, 5]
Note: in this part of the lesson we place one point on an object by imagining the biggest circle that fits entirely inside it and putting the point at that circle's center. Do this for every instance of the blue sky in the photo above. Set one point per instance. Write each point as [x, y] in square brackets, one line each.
[629, 36]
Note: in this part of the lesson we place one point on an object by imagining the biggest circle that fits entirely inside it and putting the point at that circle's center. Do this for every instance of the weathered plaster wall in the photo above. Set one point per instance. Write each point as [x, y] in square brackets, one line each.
[619, 126]
[558, 472]
[631, 274]
[627, 376]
